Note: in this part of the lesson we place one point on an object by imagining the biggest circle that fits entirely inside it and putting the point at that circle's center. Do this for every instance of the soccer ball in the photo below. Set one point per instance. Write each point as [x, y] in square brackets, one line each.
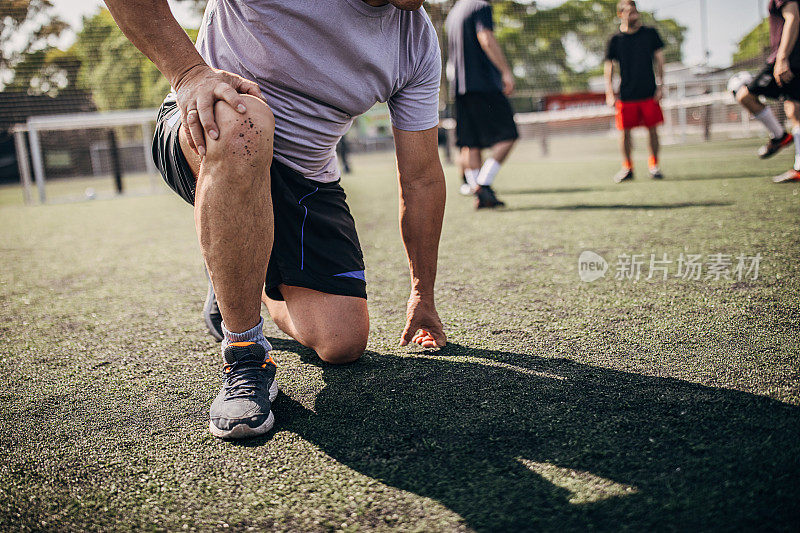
[90, 194]
[739, 80]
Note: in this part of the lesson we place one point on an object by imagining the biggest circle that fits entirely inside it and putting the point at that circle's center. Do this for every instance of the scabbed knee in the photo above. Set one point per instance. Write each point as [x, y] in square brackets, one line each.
[246, 135]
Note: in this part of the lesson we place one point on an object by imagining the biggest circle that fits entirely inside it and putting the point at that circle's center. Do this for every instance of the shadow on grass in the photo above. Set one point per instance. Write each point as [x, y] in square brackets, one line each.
[519, 442]
[510, 192]
[717, 177]
[578, 207]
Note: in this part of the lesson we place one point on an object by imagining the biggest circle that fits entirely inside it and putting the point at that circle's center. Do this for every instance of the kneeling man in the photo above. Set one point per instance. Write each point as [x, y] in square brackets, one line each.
[248, 137]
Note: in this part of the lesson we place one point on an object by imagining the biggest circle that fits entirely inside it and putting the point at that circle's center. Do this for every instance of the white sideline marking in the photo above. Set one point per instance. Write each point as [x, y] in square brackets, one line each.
[489, 362]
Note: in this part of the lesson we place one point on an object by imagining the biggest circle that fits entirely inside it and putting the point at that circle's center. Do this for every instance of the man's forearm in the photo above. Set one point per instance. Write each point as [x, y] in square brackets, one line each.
[421, 213]
[608, 74]
[490, 45]
[659, 70]
[789, 36]
[151, 27]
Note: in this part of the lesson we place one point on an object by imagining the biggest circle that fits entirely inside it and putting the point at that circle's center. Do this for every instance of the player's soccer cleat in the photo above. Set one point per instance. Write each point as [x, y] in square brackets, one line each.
[485, 198]
[211, 314]
[656, 174]
[774, 145]
[787, 177]
[626, 174]
[242, 408]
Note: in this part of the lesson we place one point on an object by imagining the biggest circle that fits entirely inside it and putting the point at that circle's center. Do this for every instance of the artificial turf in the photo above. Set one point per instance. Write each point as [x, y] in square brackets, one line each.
[558, 404]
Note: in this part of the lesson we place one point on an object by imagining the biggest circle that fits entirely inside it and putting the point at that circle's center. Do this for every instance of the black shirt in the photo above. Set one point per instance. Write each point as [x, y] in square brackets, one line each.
[634, 52]
[469, 69]
[776, 23]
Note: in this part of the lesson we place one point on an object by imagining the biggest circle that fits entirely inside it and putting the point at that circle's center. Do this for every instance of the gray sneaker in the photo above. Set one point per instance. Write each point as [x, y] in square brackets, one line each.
[242, 407]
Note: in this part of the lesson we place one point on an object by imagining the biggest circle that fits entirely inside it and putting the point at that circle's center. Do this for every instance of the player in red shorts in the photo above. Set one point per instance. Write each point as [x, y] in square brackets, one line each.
[635, 48]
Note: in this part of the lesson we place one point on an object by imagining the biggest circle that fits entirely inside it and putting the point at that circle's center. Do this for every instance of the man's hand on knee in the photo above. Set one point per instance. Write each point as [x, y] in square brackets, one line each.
[197, 92]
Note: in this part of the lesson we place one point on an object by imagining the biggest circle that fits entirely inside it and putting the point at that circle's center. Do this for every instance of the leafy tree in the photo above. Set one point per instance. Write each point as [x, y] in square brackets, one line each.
[116, 73]
[753, 45]
[102, 61]
[550, 50]
[27, 33]
[48, 71]
[559, 48]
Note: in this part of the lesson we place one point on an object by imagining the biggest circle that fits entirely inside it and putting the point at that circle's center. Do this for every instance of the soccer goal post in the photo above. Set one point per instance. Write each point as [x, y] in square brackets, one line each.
[85, 134]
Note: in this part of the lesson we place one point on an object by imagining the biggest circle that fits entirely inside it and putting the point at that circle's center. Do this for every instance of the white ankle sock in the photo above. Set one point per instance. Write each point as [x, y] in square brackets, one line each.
[768, 119]
[488, 171]
[796, 134]
[472, 176]
[255, 334]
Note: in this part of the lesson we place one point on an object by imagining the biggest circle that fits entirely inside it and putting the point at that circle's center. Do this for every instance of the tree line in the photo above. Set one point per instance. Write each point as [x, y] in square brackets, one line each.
[551, 49]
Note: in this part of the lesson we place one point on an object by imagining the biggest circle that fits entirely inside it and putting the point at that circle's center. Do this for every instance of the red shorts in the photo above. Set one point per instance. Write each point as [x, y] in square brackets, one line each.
[635, 113]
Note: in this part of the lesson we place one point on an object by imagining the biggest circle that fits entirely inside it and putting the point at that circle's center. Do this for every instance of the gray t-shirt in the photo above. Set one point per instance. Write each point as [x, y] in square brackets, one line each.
[320, 63]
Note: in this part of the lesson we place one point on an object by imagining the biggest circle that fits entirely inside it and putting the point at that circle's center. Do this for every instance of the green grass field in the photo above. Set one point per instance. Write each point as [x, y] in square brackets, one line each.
[558, 404]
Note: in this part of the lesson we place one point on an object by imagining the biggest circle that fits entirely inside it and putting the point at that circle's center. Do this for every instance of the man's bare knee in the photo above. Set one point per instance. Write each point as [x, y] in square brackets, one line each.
[742, 94]
[244, 138]
[342, 351]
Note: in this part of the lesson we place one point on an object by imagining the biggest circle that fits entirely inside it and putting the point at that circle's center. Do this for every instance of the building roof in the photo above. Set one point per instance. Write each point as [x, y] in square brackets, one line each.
[16, 107]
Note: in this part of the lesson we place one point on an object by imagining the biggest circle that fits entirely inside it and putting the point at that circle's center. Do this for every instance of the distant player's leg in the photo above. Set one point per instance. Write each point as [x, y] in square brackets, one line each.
[488, 171]
[468, 140]
[336, 327]
[652, 162]
[501, 134]
[626, 118]
[491, 167]
[471, 160]
[343, 154]
[626, 147]
[462, 170]
[792, 109]
[748, 96]
[652, 117]
[233, 218]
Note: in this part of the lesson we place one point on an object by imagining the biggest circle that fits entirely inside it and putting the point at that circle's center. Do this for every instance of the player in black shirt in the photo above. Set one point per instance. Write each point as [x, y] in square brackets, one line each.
[480, 80]
[780, 79]
[635, 48]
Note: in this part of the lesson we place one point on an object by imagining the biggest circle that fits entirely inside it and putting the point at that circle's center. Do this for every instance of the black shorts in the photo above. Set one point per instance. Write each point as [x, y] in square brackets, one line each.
[765, 85]
[316, 245]
[484, 119]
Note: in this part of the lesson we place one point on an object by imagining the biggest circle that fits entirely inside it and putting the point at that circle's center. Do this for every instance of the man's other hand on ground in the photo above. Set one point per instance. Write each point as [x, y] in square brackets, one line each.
[423, 325]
